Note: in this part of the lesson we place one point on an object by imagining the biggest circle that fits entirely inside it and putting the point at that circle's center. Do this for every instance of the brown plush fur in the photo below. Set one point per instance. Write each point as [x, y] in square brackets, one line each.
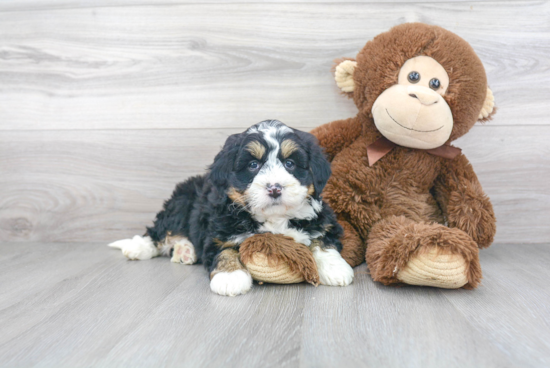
[408, 191]
[280, 248]
[468, 87]
[354, 252]
[394, 240]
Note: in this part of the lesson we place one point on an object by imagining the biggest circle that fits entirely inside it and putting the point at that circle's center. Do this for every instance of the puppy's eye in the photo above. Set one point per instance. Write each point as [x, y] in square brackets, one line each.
[253, 165]
[289, 164]
[413, 77]
[435, 84]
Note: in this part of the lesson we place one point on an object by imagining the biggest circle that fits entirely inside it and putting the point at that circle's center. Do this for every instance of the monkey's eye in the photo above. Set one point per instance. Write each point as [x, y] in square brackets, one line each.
[289, 164]
[435, 84]
[413, 77]
[253, 165]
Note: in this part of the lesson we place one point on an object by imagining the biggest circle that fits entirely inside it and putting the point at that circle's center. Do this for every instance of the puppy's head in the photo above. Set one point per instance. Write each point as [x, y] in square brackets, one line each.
[272, 170]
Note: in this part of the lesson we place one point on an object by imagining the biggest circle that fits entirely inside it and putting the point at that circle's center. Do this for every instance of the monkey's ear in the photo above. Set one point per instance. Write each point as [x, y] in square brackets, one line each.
[343, 75]
[488, 108]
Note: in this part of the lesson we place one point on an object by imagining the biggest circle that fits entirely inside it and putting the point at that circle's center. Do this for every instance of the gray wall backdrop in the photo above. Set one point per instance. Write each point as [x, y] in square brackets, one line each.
[105, 105]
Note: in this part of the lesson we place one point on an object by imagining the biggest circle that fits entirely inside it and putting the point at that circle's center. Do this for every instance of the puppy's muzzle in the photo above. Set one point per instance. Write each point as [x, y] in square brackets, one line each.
[274, 191]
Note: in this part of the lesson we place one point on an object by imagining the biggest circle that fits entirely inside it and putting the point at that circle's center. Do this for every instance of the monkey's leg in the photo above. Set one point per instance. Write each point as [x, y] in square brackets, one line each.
[400, 250]
[353, 247]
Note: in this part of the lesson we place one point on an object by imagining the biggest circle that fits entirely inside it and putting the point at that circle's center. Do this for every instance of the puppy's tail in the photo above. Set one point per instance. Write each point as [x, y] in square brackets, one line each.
[120, 243]
[136, 248]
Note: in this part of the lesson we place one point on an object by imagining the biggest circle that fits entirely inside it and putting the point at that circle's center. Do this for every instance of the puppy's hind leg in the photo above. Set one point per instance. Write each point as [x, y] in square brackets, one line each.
[181, 249]
[137, 248]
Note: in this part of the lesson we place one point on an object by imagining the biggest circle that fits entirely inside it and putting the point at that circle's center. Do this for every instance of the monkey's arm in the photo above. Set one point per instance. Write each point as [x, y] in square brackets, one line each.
[336, 136]
[463, 201]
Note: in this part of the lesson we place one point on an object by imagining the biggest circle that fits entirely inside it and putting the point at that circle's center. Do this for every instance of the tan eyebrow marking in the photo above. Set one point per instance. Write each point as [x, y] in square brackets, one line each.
[256, 149]
[288, 147]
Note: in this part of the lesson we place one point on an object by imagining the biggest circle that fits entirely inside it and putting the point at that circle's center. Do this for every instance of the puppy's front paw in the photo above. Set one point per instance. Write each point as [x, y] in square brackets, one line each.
[231, 283]
[332, 268]
[137, 248]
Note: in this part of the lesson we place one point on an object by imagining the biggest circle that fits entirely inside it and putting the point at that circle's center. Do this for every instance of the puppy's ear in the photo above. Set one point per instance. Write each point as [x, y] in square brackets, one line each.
[223, 164]
[318, 163]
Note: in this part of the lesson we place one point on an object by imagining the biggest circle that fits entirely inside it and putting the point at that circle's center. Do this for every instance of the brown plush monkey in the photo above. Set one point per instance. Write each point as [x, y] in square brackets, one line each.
[401, 192]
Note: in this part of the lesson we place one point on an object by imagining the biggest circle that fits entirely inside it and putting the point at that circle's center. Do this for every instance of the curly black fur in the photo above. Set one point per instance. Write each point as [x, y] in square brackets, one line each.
[201, 210]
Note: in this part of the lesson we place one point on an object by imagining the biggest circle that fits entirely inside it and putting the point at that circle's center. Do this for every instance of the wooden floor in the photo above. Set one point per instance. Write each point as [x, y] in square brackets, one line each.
[85, 305]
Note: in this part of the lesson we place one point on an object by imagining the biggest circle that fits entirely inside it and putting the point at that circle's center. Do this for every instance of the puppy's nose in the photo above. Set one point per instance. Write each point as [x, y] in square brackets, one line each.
[274, 191]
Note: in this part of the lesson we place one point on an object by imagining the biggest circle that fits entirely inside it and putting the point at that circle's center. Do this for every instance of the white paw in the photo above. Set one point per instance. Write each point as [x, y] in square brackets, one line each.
[184, 252]
[137, 248]
[231, 283]
[332, 268]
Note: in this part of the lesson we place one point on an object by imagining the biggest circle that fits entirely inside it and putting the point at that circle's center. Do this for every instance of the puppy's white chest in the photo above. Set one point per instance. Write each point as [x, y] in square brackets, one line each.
[280, 226]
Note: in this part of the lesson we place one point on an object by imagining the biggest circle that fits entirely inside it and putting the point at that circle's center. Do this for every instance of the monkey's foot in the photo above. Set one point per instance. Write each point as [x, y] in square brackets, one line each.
[435, 267]
[417, 253]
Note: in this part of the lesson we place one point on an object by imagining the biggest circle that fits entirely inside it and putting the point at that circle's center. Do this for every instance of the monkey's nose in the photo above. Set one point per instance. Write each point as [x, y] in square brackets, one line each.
[274, 191]
[425, 95]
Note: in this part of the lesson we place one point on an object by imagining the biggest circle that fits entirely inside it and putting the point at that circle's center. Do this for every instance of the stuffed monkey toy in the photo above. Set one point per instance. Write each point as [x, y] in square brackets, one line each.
[409, 202]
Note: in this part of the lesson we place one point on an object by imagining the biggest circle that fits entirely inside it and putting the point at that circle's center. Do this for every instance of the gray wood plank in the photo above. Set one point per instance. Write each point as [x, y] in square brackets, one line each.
[26, 5]
[226, 65]
[103, 181]
[21, 270]
[512, 166]
[67, 273]
[73, 186]
[376, 326]
[87, 312]
[511, 307]
[261, 329]
[98, 309]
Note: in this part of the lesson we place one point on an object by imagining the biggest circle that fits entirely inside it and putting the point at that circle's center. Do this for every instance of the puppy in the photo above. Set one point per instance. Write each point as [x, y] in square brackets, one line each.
[267, 179]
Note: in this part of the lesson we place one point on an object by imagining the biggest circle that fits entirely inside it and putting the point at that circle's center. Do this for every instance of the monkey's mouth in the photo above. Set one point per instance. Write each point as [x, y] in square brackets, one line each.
[416, 130]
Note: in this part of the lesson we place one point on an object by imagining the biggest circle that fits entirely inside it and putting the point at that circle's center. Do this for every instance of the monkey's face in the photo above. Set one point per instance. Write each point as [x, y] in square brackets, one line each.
[413, 113]
[417, 101]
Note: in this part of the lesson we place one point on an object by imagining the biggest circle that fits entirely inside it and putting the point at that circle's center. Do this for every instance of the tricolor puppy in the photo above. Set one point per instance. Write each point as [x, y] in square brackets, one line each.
[267, 179]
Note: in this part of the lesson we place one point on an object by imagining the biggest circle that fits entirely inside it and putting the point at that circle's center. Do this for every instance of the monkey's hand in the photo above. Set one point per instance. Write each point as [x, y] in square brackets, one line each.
[464, 203]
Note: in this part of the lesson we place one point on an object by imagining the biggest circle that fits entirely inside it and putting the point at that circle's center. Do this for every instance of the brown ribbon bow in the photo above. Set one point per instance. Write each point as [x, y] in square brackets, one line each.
[382, 146]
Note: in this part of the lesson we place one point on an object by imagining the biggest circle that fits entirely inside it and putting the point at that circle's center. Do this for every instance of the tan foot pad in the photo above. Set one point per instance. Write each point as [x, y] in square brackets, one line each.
[436, 269]
[278, 273]
[184, 252]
